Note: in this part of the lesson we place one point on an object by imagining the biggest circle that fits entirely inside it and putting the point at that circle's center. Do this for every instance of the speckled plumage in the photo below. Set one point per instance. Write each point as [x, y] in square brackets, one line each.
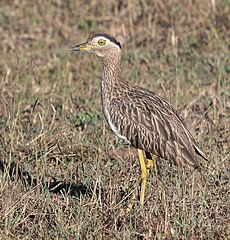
[142, 118]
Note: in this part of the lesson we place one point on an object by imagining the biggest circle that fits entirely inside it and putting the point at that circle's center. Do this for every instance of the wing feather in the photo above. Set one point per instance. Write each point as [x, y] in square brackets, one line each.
[152, 124]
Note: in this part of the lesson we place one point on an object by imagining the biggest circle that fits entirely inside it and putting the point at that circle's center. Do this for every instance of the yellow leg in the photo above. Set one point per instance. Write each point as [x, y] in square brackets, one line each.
[144, 174]
[150, 162]
[130, 206]
[149, 165]
[145, 168]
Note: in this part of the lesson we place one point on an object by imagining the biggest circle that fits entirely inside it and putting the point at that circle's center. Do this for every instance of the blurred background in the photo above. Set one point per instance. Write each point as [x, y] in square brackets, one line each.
[64, 175]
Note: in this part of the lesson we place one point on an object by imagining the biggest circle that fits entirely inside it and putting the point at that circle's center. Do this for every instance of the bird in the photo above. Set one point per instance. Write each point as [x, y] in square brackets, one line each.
[140, 117]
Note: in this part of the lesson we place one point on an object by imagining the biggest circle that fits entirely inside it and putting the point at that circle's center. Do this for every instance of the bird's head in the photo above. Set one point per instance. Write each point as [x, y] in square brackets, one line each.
[100, 44]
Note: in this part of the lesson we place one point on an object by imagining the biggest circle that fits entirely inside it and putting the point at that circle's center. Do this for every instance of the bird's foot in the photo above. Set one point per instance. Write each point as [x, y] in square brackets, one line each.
[133, 200]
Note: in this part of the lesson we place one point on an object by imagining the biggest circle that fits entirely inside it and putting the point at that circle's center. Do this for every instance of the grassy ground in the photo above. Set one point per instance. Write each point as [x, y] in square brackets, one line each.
[63, 174]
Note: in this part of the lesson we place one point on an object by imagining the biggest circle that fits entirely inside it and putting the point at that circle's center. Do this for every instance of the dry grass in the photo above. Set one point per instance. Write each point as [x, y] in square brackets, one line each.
[63, 173]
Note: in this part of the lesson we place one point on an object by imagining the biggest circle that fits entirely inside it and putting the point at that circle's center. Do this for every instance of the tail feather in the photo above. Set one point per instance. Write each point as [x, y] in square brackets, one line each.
[200, 152]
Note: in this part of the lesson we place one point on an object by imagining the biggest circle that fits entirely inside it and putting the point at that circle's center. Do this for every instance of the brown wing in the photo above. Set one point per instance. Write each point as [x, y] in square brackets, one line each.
[152, 124]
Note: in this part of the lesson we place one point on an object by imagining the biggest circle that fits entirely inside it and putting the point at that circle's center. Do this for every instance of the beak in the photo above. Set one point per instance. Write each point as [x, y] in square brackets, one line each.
[81, 47]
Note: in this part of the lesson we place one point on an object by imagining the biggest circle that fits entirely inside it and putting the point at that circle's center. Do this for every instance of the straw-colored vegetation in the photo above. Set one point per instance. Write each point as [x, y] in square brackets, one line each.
[63, 174]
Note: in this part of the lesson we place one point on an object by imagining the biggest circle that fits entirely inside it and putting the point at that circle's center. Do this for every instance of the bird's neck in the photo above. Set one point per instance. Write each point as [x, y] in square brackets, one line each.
[111, 79]
[112, 73]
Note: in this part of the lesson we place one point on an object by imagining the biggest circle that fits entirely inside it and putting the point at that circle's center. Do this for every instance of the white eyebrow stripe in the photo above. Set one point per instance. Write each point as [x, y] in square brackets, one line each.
[107, 41]
[101, 37]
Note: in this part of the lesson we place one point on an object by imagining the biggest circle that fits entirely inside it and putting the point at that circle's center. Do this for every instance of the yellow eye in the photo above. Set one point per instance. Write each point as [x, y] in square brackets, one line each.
[101, 42]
